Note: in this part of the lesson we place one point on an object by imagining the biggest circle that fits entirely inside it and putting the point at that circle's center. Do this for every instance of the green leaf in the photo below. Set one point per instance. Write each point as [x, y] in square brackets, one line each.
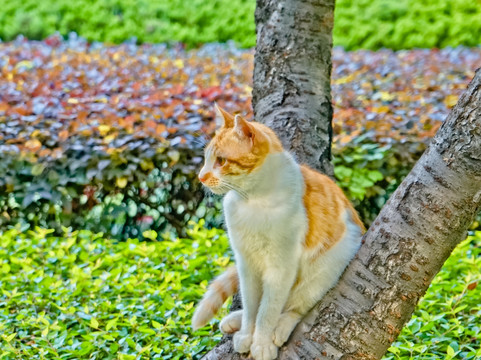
[150, 234]
[342, 172]
[450, 352]
[37, 169]
[94, 323]
[156, 325]
[146, 330]
[5, 268]
[110, 324]
[45, 332]
[375, 175]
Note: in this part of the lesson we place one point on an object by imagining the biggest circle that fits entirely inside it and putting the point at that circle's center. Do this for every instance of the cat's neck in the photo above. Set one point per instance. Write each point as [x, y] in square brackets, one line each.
[279, 173]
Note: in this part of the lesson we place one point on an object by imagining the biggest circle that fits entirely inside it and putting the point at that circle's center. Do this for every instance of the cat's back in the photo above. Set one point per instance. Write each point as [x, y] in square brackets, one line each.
[328, 210]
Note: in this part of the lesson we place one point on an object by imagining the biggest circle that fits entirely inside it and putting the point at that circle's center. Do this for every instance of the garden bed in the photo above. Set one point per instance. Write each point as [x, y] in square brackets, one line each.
[110, 138]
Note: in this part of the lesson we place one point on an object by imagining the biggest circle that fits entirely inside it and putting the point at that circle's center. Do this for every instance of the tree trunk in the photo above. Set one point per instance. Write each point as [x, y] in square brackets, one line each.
[292, 75]
[426, 217]
[292, 78]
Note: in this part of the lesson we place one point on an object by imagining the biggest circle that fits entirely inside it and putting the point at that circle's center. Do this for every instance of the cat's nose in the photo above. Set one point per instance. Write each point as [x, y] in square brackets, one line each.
[204, 177]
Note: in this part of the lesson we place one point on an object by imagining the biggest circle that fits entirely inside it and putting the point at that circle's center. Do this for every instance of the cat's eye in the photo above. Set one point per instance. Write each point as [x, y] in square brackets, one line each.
[220, 161]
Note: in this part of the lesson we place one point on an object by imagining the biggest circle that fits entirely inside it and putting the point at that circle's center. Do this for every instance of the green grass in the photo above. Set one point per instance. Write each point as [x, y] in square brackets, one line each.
[82, 296]
[368, 24]
[85, 297]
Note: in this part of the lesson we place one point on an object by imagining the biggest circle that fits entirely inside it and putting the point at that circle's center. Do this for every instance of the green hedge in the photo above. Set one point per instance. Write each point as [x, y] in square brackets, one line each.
[406, 24]
[110, 138]
[117, 156]
[81, 296]
[148, 185]
[192, 22]
[368, 24]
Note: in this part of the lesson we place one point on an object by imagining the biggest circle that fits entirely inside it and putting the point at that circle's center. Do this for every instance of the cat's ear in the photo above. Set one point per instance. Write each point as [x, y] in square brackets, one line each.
[223, 118]
[243, 127]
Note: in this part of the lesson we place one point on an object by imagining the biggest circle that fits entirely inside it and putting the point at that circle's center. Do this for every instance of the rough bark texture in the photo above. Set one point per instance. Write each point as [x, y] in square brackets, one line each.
[414, 234]
[292, 73]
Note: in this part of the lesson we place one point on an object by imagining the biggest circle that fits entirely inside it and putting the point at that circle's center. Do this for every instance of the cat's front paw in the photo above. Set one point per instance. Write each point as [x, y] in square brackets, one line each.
[242, 342]
[264, 349]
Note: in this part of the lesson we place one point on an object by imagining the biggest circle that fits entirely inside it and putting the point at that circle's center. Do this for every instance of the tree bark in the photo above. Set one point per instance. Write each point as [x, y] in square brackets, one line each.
[292, 74]
[415, 232]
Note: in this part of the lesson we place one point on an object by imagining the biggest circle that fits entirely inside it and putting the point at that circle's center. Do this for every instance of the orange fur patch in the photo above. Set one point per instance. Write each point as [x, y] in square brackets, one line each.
[244, 154]
[325, 204]
[245, 145]
[220, 290]
[233, 277]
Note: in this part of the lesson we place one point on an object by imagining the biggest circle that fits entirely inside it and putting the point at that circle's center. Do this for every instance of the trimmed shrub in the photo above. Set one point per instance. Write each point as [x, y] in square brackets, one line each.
[192, 22]
[110, 138]
[367, 24]
[407, 24]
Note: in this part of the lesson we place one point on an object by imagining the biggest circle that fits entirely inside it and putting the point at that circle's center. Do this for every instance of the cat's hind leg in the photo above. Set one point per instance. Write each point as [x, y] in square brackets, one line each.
[319, 273]
[231, 323]
[302, 298]
[285, 326]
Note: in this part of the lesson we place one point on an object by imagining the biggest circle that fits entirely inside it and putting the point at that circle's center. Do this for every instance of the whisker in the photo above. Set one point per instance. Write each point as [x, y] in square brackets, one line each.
[201, 138]
[230, 186]
[200, 141]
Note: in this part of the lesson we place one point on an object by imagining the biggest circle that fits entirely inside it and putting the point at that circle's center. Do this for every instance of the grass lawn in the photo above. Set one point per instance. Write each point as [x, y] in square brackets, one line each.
[81, 296]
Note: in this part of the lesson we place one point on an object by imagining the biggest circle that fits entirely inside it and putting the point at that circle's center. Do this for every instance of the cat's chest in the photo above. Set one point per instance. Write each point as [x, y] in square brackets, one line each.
[254, 215]
[263, 219]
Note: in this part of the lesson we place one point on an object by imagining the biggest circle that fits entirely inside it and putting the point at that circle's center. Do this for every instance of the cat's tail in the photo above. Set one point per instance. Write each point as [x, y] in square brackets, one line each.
[218, 292]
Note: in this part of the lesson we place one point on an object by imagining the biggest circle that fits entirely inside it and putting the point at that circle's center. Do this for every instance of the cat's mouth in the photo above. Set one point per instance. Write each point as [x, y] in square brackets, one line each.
[218, 190]
[224, 187]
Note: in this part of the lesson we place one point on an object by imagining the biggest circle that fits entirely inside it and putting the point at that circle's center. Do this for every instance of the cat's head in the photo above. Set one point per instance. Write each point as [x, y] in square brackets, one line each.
[238, 149]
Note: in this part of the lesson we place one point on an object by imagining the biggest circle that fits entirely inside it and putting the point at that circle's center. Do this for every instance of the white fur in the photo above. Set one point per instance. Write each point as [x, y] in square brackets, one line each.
[317, 277]
[266, 233]
[231, 323]
[267, 230]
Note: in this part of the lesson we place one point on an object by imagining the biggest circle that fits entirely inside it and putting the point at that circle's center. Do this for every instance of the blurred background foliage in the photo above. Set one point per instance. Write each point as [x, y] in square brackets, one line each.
[110, 138]
[366, 24]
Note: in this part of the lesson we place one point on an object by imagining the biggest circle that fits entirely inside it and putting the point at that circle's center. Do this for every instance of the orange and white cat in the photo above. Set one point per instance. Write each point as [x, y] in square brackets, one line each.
[292, 230]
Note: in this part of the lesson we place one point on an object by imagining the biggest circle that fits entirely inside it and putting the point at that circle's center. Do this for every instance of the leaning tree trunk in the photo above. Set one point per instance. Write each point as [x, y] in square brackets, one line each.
[426, 217]
[292, 76]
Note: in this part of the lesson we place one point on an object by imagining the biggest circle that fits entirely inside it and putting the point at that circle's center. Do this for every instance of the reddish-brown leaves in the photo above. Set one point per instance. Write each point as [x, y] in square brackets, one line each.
[74, 91]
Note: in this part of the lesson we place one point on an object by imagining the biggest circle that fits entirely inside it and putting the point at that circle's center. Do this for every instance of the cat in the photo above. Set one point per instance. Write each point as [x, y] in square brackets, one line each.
[292, 230]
